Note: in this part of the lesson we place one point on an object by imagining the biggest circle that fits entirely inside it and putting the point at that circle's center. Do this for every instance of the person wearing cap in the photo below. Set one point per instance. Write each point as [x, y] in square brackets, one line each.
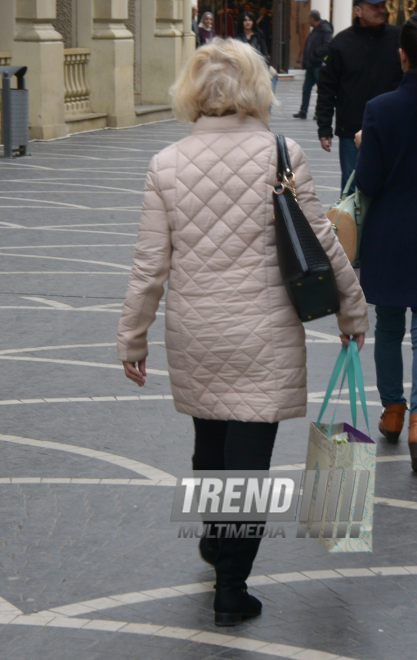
[363, 62]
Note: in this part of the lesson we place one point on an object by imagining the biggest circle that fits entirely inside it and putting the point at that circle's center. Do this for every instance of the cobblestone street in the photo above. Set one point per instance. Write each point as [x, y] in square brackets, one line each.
[90, 565]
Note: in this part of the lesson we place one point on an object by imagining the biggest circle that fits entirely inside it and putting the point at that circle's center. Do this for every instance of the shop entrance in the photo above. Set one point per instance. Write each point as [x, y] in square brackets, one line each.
[283, 23]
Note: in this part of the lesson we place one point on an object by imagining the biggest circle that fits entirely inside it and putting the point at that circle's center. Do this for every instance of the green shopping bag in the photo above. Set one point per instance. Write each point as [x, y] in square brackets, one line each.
[341, 493]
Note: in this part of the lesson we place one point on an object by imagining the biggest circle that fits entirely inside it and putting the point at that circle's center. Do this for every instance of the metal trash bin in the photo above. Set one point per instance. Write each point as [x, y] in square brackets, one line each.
[14, 112]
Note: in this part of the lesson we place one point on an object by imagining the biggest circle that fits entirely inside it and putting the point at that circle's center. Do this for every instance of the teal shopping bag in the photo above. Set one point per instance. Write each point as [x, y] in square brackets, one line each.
[341, 517]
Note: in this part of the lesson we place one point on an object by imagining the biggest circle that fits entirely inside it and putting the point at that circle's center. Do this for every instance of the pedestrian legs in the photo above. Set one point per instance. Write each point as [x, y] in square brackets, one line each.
[311, 79]
[413, 397]
[389, 334]
[348, 155]
[246, 446]
[210, 436]
[412, 436]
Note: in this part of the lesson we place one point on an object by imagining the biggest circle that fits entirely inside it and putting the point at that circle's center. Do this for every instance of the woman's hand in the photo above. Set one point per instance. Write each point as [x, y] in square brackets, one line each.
[137, 374]
[358, 139]
[359, 338]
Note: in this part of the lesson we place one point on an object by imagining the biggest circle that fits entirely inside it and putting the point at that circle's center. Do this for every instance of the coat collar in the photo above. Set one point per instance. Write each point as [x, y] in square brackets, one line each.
[228, 123]
[409, 78]
[376, 32]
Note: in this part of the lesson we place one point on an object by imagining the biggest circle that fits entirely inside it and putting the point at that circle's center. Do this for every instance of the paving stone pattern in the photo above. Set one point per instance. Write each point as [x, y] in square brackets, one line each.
[98, 526]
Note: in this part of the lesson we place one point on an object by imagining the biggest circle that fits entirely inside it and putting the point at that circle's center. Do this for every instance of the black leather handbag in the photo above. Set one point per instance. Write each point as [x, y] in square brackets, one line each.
[305, 267]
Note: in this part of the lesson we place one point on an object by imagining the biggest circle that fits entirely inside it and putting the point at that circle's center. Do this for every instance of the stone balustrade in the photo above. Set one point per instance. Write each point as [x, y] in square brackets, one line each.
[77, 89]
[5, 58]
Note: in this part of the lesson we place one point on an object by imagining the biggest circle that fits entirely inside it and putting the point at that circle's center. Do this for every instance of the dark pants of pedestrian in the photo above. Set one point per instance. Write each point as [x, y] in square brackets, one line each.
[311, 79]
[348, 154]
[389, 334]
[232, 445]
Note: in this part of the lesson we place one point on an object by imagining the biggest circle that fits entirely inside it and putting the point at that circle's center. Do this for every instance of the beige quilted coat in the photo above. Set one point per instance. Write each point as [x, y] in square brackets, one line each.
[236, 348]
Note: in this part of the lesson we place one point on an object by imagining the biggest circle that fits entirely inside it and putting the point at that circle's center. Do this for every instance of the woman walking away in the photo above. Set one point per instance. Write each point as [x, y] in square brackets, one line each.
[236, 347]
[205, 29]
[249, 33]
[387, 172]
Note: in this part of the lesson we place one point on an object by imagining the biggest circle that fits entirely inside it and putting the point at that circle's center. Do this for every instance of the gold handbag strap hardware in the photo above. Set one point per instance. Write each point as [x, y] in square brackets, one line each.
[279, 183]
[289, 179]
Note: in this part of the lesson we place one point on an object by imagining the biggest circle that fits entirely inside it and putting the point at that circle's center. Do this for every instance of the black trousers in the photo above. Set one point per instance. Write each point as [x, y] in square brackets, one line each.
[231, 445]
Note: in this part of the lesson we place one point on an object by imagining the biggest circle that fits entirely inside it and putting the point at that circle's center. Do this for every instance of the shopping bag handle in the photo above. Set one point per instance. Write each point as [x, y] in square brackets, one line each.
[359, 383]
[347, 370]
[332, 382]
[349, 357]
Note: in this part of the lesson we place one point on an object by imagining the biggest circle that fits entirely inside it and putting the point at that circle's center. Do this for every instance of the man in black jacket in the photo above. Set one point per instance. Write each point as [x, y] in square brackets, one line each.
[363, 62]
[315, 49]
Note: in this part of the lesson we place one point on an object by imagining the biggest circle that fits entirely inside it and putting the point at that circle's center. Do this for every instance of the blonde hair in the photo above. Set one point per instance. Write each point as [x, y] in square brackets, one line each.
[223, 77]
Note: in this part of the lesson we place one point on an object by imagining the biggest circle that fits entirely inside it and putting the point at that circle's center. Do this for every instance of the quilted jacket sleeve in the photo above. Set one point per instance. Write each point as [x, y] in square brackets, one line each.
[151, 266]
[353, 315]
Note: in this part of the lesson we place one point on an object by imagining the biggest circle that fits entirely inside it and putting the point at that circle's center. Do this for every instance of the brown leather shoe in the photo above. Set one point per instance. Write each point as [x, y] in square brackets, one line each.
[412, 440]
[392, 421]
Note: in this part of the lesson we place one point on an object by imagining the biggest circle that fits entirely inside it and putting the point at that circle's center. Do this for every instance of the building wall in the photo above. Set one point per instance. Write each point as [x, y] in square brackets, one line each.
[133, 24]
[299, 31]
[90, 62]
[66, 22]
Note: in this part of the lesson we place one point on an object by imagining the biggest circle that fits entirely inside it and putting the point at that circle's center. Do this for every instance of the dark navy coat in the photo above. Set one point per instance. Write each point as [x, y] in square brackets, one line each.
[387, 172]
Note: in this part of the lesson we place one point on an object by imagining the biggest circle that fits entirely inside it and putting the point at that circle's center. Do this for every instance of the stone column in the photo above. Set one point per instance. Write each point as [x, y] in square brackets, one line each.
[342, 14]
[166, 44]
[189, 41]
[187, 16]
[6, 24]
[40, 47]
[111, 63]
[133, 25]
[323, 6]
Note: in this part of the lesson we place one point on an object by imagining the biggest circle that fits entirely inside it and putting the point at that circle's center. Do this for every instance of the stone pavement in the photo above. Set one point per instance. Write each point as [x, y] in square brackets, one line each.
[88, 553]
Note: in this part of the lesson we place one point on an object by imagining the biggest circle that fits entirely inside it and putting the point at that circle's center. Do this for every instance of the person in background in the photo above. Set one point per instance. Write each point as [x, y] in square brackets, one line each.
[236, 347]
[249, 33]
[363, 62]
[264, 25]
[316, 48]
[387, 172]
[224, 25]
[194, 24]
[205, 29]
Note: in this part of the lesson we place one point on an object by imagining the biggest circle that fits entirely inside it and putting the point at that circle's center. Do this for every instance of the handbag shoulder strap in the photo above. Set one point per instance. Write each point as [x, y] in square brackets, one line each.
[347, 186]
[284, 163]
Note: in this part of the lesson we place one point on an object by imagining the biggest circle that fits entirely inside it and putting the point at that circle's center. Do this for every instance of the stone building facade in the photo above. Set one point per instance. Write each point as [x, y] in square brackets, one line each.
[95, 63]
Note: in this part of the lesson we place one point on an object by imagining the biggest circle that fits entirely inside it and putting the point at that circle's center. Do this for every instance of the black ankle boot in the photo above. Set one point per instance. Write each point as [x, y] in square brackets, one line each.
[232, 605]
[209, 549]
